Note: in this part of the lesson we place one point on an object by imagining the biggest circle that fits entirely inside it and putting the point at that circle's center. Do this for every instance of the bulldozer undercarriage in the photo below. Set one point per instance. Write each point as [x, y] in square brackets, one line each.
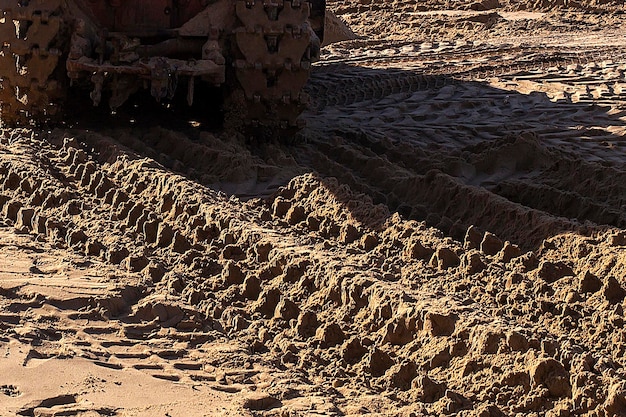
[262, 61]
[29, 60]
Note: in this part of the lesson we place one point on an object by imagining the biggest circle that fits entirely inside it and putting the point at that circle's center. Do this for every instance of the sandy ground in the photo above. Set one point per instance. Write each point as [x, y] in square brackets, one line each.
[447, 236]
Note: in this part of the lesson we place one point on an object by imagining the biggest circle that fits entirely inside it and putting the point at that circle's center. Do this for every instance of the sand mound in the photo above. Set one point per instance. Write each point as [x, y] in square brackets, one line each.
[336, 30]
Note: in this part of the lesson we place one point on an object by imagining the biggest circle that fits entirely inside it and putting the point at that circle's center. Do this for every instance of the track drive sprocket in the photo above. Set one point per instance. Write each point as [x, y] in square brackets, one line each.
[31, 46]
[274, 50]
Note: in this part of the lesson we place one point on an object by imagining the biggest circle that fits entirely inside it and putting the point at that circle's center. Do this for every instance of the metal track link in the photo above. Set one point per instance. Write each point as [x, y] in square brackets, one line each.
[28, 59]
[274, 41]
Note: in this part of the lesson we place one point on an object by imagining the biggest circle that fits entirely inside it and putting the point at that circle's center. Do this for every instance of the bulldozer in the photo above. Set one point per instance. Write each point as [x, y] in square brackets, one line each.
[256, 55]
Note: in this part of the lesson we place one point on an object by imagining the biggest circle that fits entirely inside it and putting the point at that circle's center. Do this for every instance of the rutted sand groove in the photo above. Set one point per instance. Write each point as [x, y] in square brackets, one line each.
[476, 135]
[340, 82]
[273, 294]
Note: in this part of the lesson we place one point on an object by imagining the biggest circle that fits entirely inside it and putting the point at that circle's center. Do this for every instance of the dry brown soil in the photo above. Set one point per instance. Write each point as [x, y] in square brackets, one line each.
[447, 236]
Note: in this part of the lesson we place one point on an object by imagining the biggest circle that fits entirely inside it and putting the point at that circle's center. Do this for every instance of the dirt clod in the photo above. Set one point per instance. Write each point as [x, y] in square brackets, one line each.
[551, 374]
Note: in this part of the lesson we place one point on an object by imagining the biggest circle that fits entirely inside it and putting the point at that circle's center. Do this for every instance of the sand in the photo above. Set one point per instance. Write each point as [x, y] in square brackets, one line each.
[446, 236]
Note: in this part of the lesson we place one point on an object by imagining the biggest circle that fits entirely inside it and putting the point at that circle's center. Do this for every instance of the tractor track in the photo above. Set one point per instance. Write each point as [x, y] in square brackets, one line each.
[345, 81]
[439, 137]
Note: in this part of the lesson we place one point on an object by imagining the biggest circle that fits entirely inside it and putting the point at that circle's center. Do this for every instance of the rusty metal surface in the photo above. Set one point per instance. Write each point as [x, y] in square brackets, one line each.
[126, 65]
[142, 15]
[28, 59]
[145, 68]
[276, 42]
[266, 45]
[317, 17]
